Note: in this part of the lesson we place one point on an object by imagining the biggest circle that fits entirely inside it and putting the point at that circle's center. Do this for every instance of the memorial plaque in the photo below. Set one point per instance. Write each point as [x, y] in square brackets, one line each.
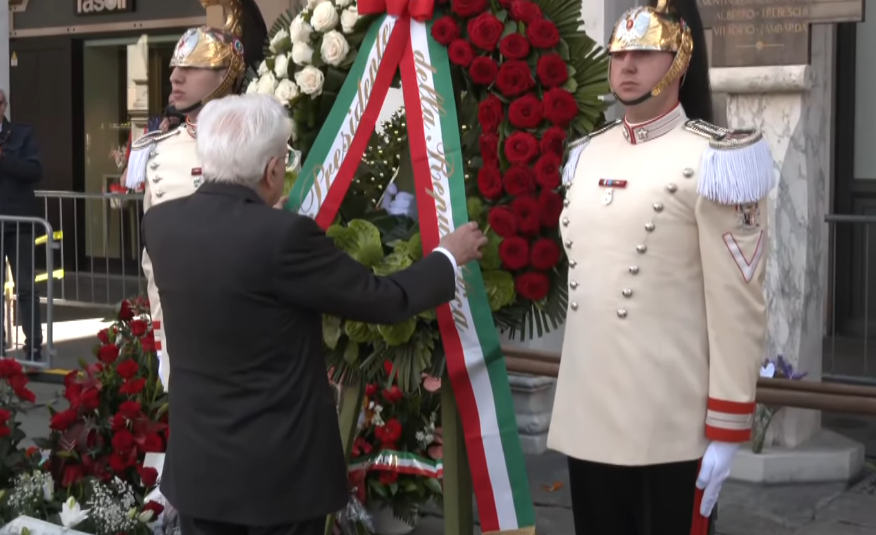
[749, 33]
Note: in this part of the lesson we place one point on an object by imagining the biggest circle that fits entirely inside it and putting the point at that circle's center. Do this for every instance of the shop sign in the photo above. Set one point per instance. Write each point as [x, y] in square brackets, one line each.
[97, 7]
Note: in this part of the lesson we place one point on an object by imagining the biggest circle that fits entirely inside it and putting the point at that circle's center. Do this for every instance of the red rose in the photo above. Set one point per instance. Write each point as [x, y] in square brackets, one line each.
[148, 475]
[108, 354]
[5, 415]
[393, 394]
[514, 78]
[361, 447]
[490, 114]
[138, 327]
[445, 30]
[525, 11]
[552, 70]
[129, 409]
[527, 211]
[148, 342]
[533, 285]
[489, 145]
[72, 474]
[503, 221]
[506, 4]
[18, 381]
[521, 148]
[122, 440]
[90, 399]
[514, 46]
[133, 387]
[117, 464]
[485, 30]
[547, 171]
[5, 431]
[127, 369]
[518, 181]
[126, 313]
[543, 34]
[545, 254]
[370, 390]
[25, 395]
[9, 368]
[490, 182]
[61, 421]
[155, 507]
[514, 252]
[553, 141]
[103, 336]
[387, 478]
[550, 206]
[468, 8]
[525, 112]
[460, 52]
[483, 70]
[152, 443]
[389, 432]
[118, 422]
[388, 366]
[560, 106]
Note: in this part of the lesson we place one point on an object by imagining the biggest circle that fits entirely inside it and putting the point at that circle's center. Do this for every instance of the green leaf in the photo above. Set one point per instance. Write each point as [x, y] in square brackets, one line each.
[433, 485]
[563, 50]
[393, 263]
[351, 353]
[377, 488]
[349, 60]
[360, 239]
[393, 488]
[510, 27]
[490, 253]
[475, 208]
[502, 15]
[359, 332]
[500, 288]
[331, 330]
[571, 85]
[398, 334]
[428, 315]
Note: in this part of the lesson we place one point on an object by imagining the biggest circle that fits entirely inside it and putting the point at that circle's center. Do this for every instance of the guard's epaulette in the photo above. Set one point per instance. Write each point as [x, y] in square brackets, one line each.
[577, 146]
[139, 157]
[737, 167]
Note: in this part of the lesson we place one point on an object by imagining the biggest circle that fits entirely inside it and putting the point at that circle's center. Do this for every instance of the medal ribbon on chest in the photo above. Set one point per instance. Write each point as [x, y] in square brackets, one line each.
[610, 184]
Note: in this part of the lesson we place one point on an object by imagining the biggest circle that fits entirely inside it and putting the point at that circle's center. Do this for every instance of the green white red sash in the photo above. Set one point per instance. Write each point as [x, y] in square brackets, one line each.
[474, 359]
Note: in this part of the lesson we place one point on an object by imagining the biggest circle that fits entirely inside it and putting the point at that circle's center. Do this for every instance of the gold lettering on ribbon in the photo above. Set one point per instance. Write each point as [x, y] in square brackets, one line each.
[433, 103]
[321, 172]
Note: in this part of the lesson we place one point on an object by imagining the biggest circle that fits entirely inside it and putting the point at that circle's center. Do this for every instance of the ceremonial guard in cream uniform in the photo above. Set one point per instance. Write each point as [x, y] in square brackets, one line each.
[167, 162]
[665, 230]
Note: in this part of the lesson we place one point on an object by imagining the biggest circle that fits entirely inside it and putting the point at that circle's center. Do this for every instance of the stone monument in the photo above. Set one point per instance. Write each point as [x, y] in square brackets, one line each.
[776, 69]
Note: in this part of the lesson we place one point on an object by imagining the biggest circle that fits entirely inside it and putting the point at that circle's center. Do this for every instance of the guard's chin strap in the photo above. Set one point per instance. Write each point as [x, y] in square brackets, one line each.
[185, 111]
[634, 101]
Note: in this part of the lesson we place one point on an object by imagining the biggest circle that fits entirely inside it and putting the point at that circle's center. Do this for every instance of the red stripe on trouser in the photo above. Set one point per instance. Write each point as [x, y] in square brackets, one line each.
[699, 524]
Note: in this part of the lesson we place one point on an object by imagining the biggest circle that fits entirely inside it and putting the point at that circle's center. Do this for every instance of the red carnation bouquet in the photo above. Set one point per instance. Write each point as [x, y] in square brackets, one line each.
[15, 397]
[117, 408]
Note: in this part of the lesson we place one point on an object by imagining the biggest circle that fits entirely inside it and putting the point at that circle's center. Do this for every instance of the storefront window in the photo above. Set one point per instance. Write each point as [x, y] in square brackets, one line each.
[126, 83]
[865, 105]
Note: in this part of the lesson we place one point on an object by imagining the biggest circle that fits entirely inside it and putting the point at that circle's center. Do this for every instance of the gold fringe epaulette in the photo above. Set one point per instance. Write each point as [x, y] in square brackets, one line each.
[737, 166]
[723, 138]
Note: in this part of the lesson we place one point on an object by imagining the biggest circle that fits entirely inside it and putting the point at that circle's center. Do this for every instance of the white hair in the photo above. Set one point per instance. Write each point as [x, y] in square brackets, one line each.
[238, 136]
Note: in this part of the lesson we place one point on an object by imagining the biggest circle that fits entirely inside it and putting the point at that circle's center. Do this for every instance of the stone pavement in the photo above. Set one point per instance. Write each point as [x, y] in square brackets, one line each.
[825, 509]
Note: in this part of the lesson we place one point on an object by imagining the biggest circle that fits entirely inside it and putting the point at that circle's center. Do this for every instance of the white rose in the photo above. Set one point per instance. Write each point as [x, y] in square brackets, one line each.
[286, 91]
[278, 43]
[253, 87]
[313, 3]
[310, 80]
[281, 66]
[324, 18]
[334, 48]
[349, 18]
[263, 68]
[267, 84]
[299, 31]
[343, 3]
[302, 54]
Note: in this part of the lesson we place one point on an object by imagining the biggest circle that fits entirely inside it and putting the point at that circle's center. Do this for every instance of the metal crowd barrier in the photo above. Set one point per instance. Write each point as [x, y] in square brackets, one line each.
[22, 240]
[98, 261]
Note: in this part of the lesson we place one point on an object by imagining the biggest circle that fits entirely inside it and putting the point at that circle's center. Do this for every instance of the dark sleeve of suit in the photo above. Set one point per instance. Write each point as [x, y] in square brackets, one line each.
[26, 166]
[313, 273]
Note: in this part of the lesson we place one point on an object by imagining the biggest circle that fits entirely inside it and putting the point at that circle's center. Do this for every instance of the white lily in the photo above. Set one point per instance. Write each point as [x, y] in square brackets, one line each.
[48, 488]
[146, 516]
[71, 513]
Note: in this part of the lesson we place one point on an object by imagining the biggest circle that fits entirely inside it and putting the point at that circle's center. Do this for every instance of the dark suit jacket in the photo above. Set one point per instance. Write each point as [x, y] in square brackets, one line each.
[254, 433]
[20, 170]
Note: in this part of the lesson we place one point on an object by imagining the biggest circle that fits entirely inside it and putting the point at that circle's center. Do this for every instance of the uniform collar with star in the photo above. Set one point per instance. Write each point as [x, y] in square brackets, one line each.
[637, 133]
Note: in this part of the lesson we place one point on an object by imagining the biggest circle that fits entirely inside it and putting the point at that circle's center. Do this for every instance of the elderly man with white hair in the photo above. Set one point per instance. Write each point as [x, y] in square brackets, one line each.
[255, 446]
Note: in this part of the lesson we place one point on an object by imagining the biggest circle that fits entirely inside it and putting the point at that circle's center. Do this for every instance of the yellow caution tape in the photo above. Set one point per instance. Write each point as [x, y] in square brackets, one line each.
[58, 235]
[57, 274]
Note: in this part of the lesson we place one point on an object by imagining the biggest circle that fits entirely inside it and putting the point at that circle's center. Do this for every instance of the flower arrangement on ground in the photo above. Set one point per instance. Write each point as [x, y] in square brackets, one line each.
[15, 397]
[763, 414]
[396, 460]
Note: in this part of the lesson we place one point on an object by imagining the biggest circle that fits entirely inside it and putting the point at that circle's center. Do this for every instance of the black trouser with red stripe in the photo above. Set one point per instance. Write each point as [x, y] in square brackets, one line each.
[660, 499]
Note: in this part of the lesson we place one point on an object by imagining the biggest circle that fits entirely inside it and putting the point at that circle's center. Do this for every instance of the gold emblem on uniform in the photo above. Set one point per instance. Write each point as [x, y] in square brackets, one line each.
[748, 216]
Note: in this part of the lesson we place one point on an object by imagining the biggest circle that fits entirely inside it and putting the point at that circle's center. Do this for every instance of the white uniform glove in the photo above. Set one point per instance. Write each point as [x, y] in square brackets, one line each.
[714, 471]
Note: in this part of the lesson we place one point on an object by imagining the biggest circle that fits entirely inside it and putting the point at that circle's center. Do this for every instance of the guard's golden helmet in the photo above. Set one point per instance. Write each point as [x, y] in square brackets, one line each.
[654, 29]
[211, 48]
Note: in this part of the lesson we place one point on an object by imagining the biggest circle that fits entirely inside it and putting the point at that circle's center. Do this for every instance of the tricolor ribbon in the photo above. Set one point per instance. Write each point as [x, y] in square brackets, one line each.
[401, 40]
